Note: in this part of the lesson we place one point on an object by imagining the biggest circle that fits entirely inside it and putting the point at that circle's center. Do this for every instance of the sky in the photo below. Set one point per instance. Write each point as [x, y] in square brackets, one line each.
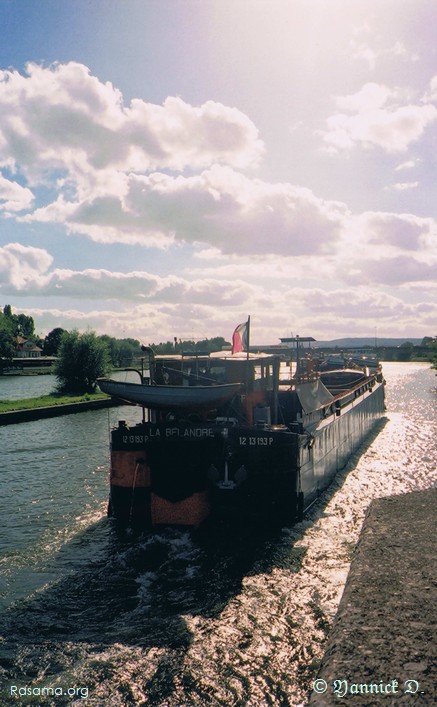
[169, 167]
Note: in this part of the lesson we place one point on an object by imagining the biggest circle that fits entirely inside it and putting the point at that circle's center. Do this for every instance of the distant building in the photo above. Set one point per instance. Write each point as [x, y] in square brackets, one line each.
[26, 348]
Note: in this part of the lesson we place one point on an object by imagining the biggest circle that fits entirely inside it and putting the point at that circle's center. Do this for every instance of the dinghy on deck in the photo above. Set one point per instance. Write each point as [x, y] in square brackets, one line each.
[170, 397]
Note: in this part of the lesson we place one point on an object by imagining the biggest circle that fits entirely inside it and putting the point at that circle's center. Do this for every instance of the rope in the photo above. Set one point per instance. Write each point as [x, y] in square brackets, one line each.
[133, 491]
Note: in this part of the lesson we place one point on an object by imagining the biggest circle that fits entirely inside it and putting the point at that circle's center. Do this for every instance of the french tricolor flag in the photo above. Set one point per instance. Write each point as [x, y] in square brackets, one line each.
[240, 338]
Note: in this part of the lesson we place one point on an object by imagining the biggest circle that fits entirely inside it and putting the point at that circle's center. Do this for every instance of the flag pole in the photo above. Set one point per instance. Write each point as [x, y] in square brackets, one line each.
[248, 336]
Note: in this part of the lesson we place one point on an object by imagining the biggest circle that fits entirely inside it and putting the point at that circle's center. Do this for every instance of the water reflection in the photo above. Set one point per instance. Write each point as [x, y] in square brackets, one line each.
[230, 615]
[142, 592]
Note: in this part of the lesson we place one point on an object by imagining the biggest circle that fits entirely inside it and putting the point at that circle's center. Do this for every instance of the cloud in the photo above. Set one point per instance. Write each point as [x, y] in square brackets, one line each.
[315, 311]
[409, 164]
[21, 266]
[354, 312]
[219, 207]
[402, 186]
[14, 197]
[431, 94]
[362, 51]
[400, 231]
[63, 118]
[400, 50]
[375, 119]
[109, 165]
[370, 97]
[26, 271]
[273, 270]
[397, 270]
[350, 305]
[171, 176]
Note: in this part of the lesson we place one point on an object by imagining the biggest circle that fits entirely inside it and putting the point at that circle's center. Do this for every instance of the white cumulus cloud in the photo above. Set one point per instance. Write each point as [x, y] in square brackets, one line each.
[61, 117]
[21, 265]
[219, 207]
[375, 118]
[14, 197]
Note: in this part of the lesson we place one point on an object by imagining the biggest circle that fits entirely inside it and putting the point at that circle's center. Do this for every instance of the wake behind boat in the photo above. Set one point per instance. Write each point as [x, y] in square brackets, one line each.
[170, 397]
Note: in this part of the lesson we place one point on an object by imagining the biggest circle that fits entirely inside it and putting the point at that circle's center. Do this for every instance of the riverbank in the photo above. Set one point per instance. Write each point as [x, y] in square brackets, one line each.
[13, 412]
[381, 646]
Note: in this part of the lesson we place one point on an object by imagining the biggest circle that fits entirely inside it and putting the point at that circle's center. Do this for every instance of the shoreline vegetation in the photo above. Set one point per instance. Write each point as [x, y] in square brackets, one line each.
[57, 404]
[56, 399]
[52, 400]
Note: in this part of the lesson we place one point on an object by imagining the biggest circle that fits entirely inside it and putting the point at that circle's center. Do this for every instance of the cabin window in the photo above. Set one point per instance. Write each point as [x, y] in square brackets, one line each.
[263, 375]
[258, 377]
[269, 376]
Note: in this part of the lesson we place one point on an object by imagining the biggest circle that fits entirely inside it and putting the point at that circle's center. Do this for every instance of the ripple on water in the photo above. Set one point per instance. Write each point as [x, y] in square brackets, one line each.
[234, 617]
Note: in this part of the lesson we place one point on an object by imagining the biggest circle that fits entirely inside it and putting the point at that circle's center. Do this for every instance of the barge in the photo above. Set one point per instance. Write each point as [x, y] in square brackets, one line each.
[226, 432]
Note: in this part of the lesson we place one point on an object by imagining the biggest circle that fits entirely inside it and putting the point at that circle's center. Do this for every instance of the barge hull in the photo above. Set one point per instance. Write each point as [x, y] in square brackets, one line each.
[336, 438]
[181, 473]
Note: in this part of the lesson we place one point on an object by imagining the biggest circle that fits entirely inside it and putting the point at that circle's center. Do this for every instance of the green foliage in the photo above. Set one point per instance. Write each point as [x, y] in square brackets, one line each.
[178, 346]
[214, 344]
[82, 358]
[52, 342]
[22, 324]
[430, 345]
[405, 351]
[47, 401]
[7, 341]
[25, 326]
[123, 352]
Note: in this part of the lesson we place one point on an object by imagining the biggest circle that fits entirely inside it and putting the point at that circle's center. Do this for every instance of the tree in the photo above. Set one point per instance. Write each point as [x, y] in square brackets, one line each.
[7, 341]
[430, 344]
[23, 325]
[405, 351]
[178, 346]
[82, 358]
[123, 352]
[52, 341]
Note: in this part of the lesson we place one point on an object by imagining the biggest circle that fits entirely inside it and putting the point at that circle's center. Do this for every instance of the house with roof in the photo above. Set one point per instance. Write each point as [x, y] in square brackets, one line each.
[26, 348]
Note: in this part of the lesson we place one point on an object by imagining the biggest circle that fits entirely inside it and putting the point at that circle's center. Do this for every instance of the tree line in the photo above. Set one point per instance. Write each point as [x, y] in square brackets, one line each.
[122, 352]
[82, 358]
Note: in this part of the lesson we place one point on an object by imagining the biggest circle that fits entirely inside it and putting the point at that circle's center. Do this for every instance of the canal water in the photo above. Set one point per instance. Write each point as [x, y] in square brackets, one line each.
[226, 616]
[17, 387]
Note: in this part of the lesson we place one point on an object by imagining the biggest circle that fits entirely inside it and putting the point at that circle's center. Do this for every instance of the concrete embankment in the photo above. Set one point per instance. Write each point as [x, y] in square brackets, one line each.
[15, 416]
[382, 647]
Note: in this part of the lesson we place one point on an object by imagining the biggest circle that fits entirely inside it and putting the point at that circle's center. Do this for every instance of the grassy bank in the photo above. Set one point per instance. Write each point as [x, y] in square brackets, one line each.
[48, 401]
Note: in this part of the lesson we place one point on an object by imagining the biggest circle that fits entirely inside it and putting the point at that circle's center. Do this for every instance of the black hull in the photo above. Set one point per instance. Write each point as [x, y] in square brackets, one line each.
[181, 473]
